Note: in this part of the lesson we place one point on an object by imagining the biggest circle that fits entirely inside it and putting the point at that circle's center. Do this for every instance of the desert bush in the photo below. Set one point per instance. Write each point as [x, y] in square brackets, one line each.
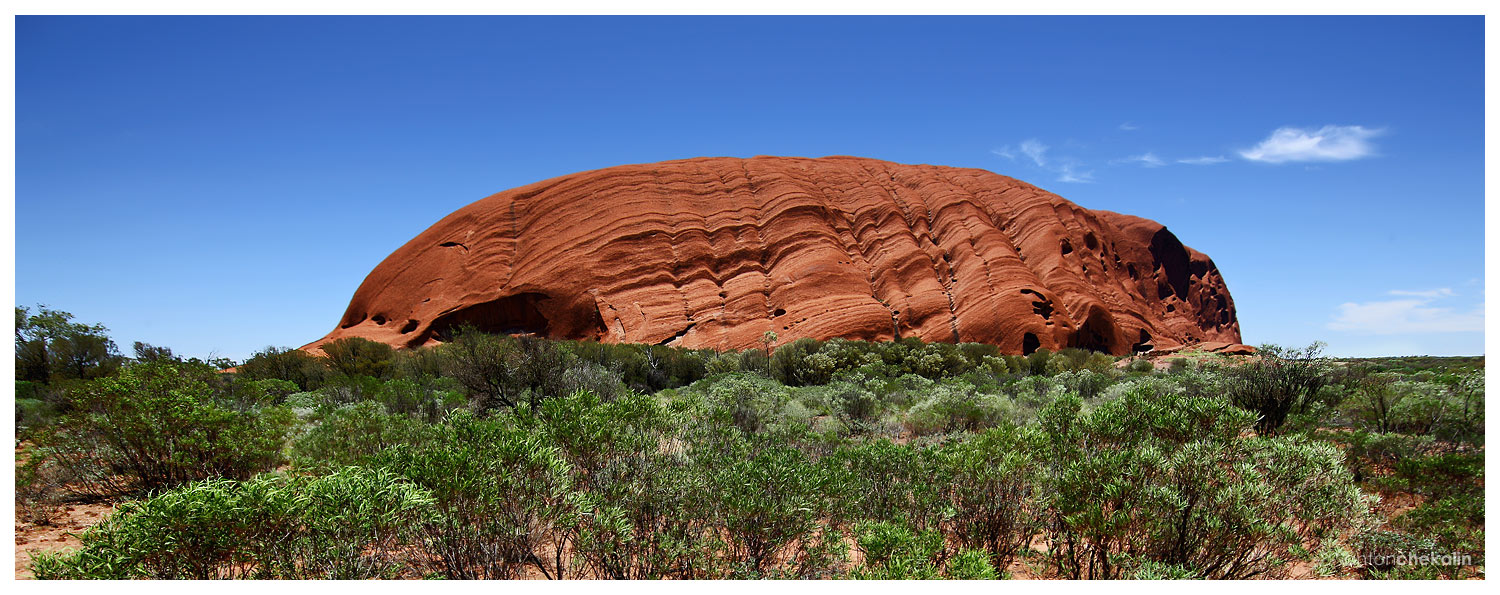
[956, 406]
[769, 507]
[592, 433]
[1389, 554]
[346, 525]
[992, 482]
[1280, 382]
[971, 565]
[1439, 476]
[790, 365]
[592, 378]
[352, 435]
[936, 361]
[505, 497]
[284, 363]
[503, 371]
[648, 520]
[1389, 402]
[157, 425]
[749, 402]
[895, 552]
[1086, 383]
[339, 390]
[357, 356]
[1141, 366]
[1170, 478]
[37, 494]
[650, 368]
[882, 481]
[1454, 524]
[855, 407]
[429, 398]
[51, 347]
[1073, 359]
[1366, 452]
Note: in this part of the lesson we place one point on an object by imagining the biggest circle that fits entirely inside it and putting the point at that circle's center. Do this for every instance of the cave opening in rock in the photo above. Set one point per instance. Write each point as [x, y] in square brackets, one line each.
[1029, 343]
[1144, 344]
[511, 315]
[1098, 333]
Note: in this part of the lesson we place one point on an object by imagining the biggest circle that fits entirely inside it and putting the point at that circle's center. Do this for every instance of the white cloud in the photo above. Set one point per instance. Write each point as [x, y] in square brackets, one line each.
[1329, 143]
[1127, 127]
[1147, 159]
[1415, 314]
[1203, 160]
[1426, 293]
[1035, 150]
[1068, 169]
[1068, 172]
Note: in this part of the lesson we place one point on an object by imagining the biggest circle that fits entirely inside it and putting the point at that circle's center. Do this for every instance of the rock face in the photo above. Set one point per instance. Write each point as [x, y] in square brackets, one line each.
[714, 252]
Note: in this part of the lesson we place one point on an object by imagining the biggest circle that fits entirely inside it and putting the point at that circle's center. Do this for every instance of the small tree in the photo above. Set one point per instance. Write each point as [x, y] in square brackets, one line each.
[356, 356]
[50, 347]
[160, 424]
[1281, 382]
[285, 363]
[769, 340]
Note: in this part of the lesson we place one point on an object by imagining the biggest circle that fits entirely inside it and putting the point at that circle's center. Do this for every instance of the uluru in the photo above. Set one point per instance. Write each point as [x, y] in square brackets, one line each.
[714, 252]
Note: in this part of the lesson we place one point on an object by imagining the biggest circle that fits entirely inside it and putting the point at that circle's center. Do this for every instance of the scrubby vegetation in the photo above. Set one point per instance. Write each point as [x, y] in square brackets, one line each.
[496, 456]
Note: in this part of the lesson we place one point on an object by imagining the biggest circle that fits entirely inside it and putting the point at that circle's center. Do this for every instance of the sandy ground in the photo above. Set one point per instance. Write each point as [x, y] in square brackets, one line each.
[61, 534]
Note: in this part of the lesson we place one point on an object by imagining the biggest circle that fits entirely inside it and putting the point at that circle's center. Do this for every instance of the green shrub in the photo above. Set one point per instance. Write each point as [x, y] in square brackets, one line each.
[347, 525]
[284, 363]
[505, 497]
[971, 565]
[1170, 478]
[357, 356]
[649, 521]
[503, 371]
[160, 424]
[1440, 476]
[749, 402]
[1367, 452]
[424, 396]
[769, 508]
[895, 552]
[993, 483]
[887, 482]
[591, 433]
[1280, 382]
[790, 366]
[352, 435]
[957, 406]
[1454, 524]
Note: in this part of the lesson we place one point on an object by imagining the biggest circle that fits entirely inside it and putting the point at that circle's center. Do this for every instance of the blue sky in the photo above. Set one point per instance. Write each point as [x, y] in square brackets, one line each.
[217, 185]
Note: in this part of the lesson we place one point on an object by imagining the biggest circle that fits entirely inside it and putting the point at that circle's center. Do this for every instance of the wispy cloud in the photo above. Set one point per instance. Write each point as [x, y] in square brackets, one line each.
[1203, 160]
[1071, 172]
[1147, 159]
[1329, 143]
[1127, 126]
[1416, 313]
[1425, 293]
[1032, 152]
[1035, 150]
